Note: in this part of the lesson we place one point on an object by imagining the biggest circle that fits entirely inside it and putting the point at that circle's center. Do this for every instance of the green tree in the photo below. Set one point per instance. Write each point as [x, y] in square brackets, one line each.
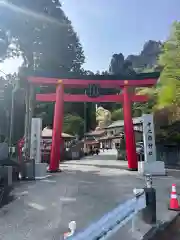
[8, 91]
[117, 115]
[43, 36]
[169, 93]
[148, 107]
[73, 124]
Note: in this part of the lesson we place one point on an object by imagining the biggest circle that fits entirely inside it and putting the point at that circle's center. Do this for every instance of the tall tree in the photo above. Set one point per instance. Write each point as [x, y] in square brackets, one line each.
[43, 36]
[7, 92]
[169, 93]
[73, 124]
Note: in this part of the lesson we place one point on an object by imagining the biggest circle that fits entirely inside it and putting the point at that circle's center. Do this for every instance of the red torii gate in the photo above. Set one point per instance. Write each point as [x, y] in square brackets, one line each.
[126, 97]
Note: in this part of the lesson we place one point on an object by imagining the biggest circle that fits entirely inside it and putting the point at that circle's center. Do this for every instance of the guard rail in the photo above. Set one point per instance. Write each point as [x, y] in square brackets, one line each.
[110, 223]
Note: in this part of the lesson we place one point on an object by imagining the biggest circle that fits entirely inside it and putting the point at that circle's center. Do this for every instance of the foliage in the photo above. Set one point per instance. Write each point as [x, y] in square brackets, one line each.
[43, 35]
[5, 104]
[170, 77]
[46, 112]
[117, 115]
[73, 124]
[148, 107]
[8, 91]
[165, 97]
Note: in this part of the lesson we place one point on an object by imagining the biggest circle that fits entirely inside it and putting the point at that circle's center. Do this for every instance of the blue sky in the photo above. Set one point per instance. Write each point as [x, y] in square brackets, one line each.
[106, 27]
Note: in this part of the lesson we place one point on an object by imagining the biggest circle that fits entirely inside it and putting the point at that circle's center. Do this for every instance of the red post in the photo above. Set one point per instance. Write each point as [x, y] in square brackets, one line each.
[129, 132]
[57, 128]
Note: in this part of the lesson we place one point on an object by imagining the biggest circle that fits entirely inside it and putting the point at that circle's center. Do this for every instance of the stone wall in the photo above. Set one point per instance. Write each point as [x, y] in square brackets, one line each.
[169, 154]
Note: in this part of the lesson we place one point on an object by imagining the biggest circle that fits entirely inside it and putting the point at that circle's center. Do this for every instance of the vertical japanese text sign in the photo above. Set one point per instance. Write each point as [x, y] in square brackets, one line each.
[36, 130]
[149, 138]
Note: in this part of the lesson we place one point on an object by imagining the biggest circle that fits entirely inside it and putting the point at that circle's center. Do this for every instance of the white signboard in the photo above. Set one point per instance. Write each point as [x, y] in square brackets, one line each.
[149, 138]
[36, 130]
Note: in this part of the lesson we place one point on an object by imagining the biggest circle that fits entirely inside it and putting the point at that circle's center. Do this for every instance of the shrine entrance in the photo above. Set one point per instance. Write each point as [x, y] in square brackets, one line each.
[93, 93]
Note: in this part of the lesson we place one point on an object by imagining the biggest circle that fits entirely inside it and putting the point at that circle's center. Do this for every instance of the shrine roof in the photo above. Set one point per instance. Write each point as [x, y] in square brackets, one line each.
[95, 133]
[91, 142]
[120, 123]
[47, 132]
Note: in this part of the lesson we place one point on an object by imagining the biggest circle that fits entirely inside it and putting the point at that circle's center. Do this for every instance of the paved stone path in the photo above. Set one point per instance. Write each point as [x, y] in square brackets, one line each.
[84, 191]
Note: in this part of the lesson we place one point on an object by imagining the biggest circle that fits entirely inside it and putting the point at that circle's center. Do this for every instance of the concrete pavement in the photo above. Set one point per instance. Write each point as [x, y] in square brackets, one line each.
[83, 192]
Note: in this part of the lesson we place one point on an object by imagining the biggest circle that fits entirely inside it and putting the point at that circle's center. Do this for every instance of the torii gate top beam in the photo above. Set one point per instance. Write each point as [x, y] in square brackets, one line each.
[105, 81]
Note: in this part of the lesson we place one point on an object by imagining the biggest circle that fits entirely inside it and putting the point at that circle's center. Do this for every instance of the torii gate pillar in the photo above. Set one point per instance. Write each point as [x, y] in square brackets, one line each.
[57, 141]
[129, 132]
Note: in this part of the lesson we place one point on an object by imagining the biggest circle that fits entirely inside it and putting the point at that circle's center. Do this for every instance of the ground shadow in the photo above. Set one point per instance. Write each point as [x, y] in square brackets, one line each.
[6, 195]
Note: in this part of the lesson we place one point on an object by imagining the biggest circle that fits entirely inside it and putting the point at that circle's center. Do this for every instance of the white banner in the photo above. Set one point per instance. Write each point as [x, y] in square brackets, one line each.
[149, 138]
[36, 131]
